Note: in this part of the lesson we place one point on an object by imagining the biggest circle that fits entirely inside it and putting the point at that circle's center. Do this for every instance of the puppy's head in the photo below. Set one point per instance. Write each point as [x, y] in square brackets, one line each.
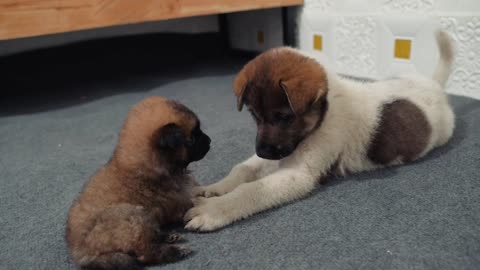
[162, 134]
[285, 92]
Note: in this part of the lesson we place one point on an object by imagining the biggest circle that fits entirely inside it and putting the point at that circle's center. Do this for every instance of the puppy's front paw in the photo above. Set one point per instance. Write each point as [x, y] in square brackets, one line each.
[214, 190]
[198, 191]
[174, 237]
[207, 215]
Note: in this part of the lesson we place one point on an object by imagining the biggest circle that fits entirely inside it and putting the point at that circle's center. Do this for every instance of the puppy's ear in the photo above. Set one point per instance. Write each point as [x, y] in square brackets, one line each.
[303, 92]
[240, 84]
[170, 136]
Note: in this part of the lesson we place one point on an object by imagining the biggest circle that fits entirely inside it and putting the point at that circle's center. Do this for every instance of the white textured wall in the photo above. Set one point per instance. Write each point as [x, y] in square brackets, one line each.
[358, 37]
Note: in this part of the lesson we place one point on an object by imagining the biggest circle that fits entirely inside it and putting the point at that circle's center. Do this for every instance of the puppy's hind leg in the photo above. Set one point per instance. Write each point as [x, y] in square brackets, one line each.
[164, 253]
[250, 170]
[125, 237]
[115, 260]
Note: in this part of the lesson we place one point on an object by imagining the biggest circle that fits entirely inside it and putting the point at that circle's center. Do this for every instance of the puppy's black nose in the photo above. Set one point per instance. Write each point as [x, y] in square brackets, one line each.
[268, 151]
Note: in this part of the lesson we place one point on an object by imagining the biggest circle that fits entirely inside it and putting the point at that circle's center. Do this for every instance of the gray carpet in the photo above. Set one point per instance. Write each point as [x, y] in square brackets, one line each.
[59, 123]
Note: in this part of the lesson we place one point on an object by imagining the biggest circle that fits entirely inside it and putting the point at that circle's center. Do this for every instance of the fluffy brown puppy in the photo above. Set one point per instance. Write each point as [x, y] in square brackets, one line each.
[116, 222]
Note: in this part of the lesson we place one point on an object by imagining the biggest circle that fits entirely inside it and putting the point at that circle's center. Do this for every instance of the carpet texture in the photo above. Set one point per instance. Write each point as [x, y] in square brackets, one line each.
[61, 110]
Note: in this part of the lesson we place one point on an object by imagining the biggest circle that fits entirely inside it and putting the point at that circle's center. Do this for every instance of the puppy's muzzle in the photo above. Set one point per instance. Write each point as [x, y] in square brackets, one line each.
[201, 147]
[272, 152]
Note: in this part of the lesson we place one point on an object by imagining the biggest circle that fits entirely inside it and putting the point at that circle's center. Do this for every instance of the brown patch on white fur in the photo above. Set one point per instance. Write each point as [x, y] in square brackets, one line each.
[116, 222]
[402, 134]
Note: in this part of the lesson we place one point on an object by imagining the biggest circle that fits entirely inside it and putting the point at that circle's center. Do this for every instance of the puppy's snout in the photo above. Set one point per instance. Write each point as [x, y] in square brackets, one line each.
[269, 151]
[206, 142]
[209, 140]
[267, 148]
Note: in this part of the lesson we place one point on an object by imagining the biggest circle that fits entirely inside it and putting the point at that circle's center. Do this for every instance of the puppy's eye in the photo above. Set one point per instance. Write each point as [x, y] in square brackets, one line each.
[283, 118]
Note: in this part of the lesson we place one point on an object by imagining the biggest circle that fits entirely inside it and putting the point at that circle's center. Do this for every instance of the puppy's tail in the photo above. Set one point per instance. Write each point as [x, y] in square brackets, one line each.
[112, 261]
[444, 66]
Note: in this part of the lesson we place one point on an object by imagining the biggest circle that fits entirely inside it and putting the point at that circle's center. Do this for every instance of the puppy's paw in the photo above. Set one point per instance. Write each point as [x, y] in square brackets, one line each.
[198, 191]
[173, 253]
[183, 251]
[207, 215]
[174, 237]
[164, 253]
[214, 190]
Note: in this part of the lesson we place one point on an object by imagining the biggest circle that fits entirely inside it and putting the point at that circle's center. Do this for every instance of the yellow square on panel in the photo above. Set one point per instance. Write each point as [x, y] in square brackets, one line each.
[403, 47]
[317, 42]
[260, 37]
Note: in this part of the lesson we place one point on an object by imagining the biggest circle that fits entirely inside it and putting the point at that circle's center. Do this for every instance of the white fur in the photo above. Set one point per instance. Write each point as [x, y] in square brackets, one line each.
[344, 136]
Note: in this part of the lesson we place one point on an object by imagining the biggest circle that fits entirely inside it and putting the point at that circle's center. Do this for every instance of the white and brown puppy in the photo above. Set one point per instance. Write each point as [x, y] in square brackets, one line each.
[311, 121]
[118, 220]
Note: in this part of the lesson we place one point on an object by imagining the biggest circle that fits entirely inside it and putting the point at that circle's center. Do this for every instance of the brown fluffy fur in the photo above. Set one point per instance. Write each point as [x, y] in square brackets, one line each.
[116, 222]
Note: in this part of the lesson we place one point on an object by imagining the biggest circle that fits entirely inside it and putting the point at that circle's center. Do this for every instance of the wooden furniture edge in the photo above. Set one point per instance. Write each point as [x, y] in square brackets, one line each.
[26, 18]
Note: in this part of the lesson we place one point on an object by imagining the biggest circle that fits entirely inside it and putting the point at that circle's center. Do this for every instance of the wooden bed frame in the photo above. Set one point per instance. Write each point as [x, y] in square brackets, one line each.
[25, 18]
